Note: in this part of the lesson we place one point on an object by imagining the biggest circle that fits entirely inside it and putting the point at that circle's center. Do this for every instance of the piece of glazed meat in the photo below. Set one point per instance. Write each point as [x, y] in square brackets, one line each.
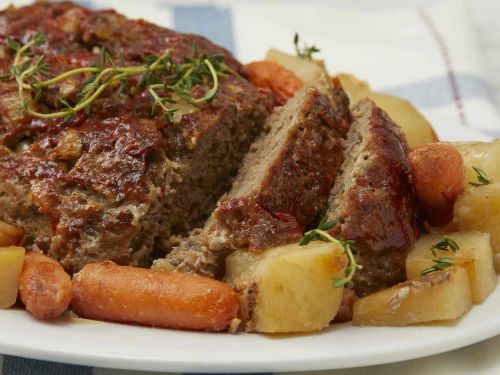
[374, 198]
[283, 184]
[117, 182]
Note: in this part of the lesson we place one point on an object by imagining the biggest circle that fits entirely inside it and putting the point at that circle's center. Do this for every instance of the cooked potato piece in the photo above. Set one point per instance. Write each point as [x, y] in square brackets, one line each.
[288, 288]
[355, 88]
[475, 256]
[11, 265]
[484, 155]
[478, 209]
[417, 129]
[307, 70]
[10, 235]
[440, 295]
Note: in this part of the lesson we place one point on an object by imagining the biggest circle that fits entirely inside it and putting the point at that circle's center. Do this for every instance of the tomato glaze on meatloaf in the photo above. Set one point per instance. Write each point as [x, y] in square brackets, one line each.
[117, 182]
[373, 198]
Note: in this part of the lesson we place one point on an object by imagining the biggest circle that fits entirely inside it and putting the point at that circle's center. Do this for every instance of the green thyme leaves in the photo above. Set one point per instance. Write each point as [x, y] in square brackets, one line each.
[304, 52]
[445, 244]
[348, 246]
[166, 81]
[439, 264]
[482, 178]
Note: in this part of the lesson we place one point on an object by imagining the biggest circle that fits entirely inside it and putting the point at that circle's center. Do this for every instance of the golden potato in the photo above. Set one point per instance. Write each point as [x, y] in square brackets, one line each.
[474, 255]
[439, 177]
[440, 295]
[306, 70]
[478, 209]
[11, 265]
[10, 235]
[417, 129]
[355, 88]
[484, 155]
[288, 288]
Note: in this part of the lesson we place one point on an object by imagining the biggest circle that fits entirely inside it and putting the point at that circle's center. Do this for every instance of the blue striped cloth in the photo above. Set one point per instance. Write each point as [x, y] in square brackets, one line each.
[450, 88]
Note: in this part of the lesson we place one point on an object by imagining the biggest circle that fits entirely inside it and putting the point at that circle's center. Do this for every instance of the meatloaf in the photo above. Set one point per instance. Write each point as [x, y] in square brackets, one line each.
[373, 198]
[117, 182]
[283, 184]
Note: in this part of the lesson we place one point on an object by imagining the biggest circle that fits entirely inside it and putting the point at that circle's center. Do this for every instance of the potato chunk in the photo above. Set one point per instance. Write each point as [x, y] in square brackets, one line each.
[417, 129]
[11, 265]
[484, 155]
[440, 295]
[475, 256]
[307, 70]
[288, 288]
[478, 209]
[10, 235]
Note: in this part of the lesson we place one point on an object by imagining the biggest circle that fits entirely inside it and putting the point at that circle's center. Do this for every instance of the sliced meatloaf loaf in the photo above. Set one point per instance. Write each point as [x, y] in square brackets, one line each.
[283, 184]
[373, 198]
[116, 182]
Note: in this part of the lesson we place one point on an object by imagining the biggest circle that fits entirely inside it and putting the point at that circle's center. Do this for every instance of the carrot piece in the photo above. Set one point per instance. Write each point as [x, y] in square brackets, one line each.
[270, 75]
[439, 176]
[107, 291]
[44, 286]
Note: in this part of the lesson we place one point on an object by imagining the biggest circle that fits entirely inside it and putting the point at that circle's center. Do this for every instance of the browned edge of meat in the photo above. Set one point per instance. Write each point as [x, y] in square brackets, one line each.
[118, 181]
[284, 182]
[374, 198]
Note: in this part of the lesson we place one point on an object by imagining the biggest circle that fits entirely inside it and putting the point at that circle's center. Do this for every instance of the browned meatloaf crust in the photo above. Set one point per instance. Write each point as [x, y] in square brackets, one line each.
[116, 183]
[373, 198]
[284, 182]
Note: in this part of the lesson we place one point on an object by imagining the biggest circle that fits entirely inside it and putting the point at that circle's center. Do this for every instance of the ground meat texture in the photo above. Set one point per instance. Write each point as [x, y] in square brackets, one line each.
[115, 183]
[374, 199]
[283, 184]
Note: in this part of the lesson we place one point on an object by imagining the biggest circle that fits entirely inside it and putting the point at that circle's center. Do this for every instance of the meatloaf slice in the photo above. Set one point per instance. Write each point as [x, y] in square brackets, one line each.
[283, 184]
[373, 198]
[117, 182]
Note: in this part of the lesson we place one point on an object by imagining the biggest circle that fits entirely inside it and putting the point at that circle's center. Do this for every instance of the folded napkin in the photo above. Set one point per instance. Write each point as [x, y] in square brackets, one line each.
[424, 51]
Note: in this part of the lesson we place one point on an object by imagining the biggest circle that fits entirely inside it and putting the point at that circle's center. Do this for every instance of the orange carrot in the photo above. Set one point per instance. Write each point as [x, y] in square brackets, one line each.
[45, 287]
[109, 292]
[439, 175]
[270, 75]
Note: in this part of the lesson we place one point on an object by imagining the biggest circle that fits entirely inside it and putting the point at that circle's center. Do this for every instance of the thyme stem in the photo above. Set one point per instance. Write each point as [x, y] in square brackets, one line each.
[180, 78]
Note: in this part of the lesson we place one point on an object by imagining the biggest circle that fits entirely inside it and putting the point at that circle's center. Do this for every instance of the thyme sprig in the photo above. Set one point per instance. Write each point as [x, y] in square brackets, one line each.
[158, 74]
[305, 52]
[482, 178]
[349, 247]
[445, 244]
[440, 264]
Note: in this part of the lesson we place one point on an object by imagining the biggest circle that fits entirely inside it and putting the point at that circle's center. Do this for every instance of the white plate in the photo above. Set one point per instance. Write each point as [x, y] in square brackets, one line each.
[138, 348]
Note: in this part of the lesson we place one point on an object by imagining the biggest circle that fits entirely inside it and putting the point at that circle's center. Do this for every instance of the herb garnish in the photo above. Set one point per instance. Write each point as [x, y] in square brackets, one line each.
[305, 52]
[482, 177]
[445, 244]
[440, 264]
[349, 247]
[159, 74]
